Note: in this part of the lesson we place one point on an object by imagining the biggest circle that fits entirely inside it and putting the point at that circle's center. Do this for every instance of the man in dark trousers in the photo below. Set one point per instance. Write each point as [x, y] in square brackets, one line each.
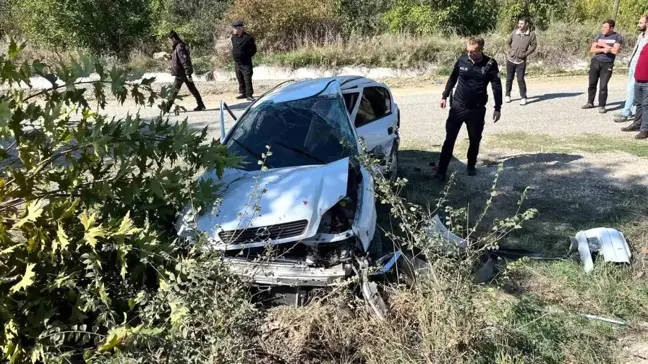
[605, 47]
[182, 69]
[243, 49]
[471, 74]
[641, 96]
[521, 44]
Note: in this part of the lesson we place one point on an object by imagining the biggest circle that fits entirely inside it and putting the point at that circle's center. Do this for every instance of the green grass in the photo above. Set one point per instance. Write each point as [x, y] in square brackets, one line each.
[535, 306]
[588, 143]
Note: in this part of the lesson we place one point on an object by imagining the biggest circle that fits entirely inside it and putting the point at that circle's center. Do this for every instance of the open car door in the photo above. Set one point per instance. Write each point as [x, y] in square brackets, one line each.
[374, 115]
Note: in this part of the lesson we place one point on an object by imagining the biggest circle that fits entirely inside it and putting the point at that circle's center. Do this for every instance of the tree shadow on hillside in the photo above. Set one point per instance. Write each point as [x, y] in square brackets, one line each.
[569, 193]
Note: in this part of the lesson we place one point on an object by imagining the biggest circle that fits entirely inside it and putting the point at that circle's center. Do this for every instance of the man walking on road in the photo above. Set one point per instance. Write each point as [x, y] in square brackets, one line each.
[521, 44]
[243, 49]
[182, 69]
[471, 75]
[626, 114]
[605, 47]
[641, 96]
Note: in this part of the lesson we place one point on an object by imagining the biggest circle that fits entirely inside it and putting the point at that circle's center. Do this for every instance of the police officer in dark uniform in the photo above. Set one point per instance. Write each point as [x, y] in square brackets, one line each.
[243, 49]
[471, 75]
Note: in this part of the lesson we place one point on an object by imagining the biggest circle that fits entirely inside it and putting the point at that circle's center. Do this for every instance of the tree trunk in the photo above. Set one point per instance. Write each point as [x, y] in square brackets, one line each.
[616, 9]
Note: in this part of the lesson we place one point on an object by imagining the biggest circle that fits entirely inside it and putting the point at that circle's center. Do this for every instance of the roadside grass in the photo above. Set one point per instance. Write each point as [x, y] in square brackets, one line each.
[536, 304]
[590, 143]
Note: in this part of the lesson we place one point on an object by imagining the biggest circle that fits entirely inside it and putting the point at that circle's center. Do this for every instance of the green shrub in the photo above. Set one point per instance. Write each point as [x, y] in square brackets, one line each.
[364, 17]
[100, 26]
[465, 17]
[195, 21]
[87, 207]
[279, 24]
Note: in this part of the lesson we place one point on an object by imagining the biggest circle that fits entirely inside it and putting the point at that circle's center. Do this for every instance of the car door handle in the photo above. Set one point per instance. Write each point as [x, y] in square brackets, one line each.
[390, 130]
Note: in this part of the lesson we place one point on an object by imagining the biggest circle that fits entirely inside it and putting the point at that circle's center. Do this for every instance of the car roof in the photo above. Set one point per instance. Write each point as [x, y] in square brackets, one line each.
[307, 88]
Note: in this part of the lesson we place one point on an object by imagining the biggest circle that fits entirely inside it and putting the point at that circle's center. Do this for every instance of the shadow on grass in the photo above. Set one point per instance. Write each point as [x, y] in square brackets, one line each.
[570, 194]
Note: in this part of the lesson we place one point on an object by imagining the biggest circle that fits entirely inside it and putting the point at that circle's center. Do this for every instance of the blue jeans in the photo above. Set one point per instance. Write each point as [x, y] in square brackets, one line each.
[641, 100]
[627, 109]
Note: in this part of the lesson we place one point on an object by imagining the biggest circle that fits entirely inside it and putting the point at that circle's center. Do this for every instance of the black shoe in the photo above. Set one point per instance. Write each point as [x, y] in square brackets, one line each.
[200, 107]
[631, 128]
[587, 106]
[240, 97]
[439, 176]
[642, 135]
[471, 171]
[622, 119]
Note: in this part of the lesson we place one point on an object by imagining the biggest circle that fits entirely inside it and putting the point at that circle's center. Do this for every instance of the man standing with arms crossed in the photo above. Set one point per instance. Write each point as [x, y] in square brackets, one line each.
[521, 44]
[471, 74]
[626, 114]
[243, 49]
[605, 47]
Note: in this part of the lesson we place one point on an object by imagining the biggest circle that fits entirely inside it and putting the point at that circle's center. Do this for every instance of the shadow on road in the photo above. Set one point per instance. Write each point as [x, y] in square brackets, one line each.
[570, 193]
[552, 96]
[615, 106]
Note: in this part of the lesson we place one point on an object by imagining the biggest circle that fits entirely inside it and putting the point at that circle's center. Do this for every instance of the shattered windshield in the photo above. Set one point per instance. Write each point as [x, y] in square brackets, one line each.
[313, 130]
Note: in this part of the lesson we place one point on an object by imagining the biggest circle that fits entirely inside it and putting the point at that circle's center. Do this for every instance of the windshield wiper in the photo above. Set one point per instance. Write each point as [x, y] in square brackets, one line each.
[296, 150]
[255, 155]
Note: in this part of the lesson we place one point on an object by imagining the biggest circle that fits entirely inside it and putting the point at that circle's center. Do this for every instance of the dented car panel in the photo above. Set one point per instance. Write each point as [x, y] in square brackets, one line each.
[293, 194]
[311, 203]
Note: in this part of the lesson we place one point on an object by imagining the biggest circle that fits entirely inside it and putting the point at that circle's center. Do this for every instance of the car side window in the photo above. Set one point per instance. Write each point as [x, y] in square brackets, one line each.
[350, 101]
[375, 104]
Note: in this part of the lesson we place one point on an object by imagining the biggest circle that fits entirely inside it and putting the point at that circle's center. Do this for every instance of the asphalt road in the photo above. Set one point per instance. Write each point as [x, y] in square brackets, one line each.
[553, 109]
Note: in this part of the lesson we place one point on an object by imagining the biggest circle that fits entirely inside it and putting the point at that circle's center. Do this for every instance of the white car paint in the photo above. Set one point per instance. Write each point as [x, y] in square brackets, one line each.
[294, 194]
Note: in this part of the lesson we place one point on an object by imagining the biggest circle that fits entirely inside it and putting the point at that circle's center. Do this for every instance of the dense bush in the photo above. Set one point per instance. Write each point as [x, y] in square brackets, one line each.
[196, 21]
[279, 24]
[101, 26]
[87, 206]
[364, 17]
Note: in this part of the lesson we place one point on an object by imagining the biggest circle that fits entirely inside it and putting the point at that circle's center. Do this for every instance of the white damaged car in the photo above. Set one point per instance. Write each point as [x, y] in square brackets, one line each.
[313, 205]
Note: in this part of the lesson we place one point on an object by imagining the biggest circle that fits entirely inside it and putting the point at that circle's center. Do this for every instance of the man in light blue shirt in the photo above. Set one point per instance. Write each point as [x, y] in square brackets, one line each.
[642, 39]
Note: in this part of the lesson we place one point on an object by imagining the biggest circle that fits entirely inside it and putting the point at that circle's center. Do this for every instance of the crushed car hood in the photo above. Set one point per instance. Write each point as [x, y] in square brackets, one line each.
[257, 199]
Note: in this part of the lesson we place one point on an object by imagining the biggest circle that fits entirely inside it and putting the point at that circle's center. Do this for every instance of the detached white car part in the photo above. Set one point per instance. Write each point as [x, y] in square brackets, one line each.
[313, 209]
[608, 243]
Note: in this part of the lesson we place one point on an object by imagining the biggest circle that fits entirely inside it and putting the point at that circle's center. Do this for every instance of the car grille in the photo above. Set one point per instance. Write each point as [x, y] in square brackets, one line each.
[274, 232]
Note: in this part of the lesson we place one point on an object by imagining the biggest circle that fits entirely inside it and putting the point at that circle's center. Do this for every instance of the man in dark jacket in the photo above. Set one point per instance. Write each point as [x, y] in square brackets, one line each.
[243, 49]
[471, 75]
[182, 69]
[521, 44]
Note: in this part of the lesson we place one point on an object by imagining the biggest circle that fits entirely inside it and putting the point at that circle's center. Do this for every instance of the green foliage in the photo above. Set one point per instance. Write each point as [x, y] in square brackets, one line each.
[541, 12]
[87, 205]
[364, 17]
[281, 23]
[466, 17]
[100, 26]
[196, 21]
[201, 314]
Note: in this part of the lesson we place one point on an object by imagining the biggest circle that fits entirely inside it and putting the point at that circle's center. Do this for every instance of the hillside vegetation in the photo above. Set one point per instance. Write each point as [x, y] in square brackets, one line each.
[392, 33]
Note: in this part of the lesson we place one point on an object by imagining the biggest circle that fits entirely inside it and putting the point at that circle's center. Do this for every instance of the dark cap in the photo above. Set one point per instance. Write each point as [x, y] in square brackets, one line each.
[237, 23]
[173, 35]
